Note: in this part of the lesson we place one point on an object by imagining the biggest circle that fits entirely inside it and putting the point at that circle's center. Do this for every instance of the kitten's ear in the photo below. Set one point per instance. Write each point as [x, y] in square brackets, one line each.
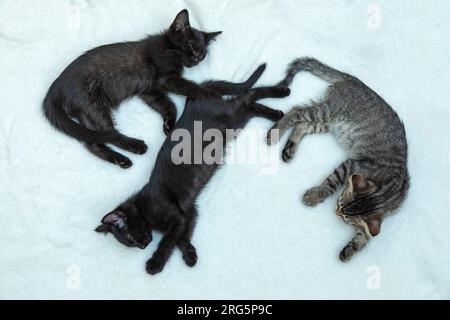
[116, 218]
[374, 224]
[181, 22]
[360, 184]
[103, 228]
[210, 36]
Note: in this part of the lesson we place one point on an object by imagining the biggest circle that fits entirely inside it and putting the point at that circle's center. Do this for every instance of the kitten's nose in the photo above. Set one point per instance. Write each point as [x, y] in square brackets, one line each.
[338, 211]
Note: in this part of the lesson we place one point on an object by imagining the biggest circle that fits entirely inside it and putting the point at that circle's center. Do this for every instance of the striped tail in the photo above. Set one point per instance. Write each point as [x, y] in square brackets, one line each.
[315, 67]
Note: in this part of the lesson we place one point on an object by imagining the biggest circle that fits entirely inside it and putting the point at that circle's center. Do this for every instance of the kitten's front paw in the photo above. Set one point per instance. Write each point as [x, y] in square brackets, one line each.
[316, 195]
[169, 123]
[273, 136]
[154, 265]
[190, 256]
[288, 152]
[348, 252]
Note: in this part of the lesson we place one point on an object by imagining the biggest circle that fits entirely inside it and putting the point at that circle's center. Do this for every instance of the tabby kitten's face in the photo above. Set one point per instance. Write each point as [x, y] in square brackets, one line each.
[128, 226]
[189, 43]
[359, 205]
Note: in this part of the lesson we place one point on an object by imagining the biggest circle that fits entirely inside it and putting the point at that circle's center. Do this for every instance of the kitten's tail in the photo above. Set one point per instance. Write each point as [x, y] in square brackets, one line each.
[54, 112]
[315, 67]
[230, 88]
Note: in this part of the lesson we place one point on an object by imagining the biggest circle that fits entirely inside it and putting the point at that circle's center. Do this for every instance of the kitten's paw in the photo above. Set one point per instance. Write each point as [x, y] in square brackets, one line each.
[154, 265]
[281, 91]
[289, 151]
[348, 252]
[273, 136]
[277, 115]
[316, 195]
[169, 123]
[123, 162]
[190, 256]
[137, 146]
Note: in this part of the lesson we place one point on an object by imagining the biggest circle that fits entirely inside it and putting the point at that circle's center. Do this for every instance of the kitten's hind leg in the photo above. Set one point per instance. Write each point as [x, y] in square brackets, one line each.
[316, 195]
[101, 150]
[104, 152]
[102, 120]
[133, 145]
[230, 88]
[265, 92]
[356, 244]
[260, 110]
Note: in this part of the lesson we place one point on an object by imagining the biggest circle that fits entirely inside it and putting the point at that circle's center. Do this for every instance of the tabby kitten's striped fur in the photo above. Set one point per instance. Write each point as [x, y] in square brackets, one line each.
[375, 176]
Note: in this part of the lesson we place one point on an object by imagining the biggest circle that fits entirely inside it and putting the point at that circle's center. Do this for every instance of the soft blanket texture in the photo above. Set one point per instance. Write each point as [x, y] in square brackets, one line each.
[255, 239]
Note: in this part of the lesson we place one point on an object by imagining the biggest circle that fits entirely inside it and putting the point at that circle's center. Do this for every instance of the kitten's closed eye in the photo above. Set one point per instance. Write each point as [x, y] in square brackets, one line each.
[127, 227]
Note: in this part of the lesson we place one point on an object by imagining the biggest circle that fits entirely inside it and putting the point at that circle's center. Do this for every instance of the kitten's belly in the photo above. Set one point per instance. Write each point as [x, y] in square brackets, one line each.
[345, 135]
[193, 179]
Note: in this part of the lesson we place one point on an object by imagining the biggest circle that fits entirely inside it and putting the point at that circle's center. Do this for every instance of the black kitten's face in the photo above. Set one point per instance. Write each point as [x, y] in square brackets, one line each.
[189, 43]
[193, 48]
[128, 226]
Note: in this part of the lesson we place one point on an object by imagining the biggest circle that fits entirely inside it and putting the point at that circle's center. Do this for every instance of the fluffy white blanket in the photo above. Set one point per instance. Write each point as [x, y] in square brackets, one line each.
[255, 239]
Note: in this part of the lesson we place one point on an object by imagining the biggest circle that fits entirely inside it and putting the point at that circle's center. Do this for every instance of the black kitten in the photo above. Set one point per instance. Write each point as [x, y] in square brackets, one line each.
[99, 80]
[168, 202]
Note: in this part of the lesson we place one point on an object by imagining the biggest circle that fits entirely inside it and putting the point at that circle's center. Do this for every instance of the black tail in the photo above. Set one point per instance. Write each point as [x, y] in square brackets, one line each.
[230, 88]
[60, 120]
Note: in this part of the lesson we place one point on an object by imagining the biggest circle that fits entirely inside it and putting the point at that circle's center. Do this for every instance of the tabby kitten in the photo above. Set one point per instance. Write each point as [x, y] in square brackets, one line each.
[93, 85]
[375, 176]
[168, 201]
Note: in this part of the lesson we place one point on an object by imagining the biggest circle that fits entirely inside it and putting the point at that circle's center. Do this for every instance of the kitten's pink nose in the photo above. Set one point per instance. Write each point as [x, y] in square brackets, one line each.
[338, 211]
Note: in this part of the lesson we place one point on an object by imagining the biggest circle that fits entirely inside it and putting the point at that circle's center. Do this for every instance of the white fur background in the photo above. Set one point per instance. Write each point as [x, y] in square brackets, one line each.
[254, 237]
